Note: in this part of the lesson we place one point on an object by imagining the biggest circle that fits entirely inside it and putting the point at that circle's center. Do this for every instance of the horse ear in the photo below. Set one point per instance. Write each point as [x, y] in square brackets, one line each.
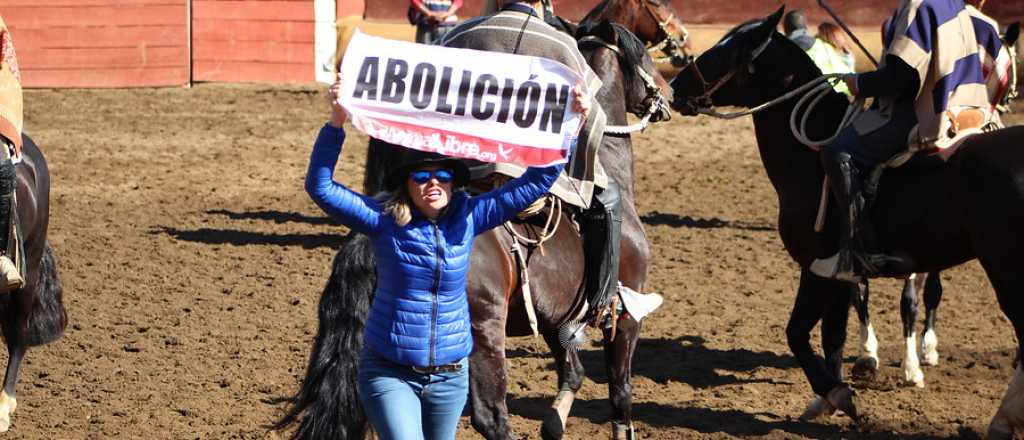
[1012, 33]
[760, 35]
[770, 24]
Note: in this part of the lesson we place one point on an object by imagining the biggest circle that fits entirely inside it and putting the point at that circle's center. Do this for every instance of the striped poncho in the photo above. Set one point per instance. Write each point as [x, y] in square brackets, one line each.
[937, 39]
[995, 58]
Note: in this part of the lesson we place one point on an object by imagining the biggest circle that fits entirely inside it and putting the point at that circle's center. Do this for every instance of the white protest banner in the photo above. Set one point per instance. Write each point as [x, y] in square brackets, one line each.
[488, 106]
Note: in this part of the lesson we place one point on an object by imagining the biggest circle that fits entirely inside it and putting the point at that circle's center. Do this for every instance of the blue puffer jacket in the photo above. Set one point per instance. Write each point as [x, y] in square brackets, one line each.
[420, 315]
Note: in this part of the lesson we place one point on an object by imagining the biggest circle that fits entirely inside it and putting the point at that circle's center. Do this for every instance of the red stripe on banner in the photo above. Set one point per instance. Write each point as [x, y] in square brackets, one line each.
[456, 144]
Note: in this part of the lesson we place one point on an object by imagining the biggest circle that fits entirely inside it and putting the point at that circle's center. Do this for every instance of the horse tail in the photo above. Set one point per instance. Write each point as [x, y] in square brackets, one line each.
[327, 404]
[48, 318]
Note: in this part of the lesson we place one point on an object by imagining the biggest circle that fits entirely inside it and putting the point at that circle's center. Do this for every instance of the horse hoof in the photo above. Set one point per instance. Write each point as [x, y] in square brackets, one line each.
[930, 358]
[7, 406]
[913, 376]
[842, 399]
[865, 368]
[622, 432]
[552, 428]
[818, 407]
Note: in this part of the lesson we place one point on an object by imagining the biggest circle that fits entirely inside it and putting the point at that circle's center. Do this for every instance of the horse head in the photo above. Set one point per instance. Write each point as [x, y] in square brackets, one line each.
[654, 22]
[666, 30]
[750, 65]
[645, 88]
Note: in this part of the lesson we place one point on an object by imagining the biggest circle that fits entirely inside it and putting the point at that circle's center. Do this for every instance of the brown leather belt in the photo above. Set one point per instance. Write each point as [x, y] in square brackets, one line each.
[450, 368]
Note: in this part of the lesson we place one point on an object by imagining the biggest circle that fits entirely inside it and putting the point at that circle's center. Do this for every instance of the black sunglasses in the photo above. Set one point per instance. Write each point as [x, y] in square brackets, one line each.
[423, 176]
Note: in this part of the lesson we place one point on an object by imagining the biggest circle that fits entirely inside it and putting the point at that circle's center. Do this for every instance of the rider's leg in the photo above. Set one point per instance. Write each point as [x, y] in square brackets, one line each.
[847, 160]
[10, 276]
[845, 185]
[601, 228]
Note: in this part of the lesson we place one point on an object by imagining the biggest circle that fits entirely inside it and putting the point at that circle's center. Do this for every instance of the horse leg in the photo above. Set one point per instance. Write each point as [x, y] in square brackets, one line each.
[1010, 415]
[618, 361]
[867, 363]
[8, 401]
[488, 385]
[932, 297]
[912, 373]
[815, 297]
[570, 379]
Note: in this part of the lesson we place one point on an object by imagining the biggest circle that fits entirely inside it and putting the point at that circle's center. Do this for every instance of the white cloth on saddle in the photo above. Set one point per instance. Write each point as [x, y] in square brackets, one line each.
[639, 304]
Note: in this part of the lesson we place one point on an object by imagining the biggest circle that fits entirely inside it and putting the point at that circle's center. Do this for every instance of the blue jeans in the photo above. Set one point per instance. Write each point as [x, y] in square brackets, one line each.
[871, 149]
[402, 404]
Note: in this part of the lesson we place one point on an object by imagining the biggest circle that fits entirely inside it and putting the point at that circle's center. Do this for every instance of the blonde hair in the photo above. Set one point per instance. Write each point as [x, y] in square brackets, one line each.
[397, 204]
[832, 34]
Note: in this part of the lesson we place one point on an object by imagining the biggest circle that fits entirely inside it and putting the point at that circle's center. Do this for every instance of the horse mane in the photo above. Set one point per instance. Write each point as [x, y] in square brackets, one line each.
[633, 50]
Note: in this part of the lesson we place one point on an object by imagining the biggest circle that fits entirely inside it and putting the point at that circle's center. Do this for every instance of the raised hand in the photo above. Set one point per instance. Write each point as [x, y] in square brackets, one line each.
[338, 115]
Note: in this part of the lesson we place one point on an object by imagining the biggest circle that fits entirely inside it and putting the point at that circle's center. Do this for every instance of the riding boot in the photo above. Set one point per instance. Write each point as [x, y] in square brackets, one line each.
[845, 189]
[10, 275]
[601, 227]
[860, 252]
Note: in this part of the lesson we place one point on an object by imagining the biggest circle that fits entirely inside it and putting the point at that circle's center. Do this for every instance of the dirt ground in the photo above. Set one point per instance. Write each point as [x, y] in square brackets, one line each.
[192, 262]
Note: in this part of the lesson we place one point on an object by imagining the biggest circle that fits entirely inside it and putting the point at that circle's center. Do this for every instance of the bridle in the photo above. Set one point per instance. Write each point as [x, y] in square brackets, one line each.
[673, 48]
[813, 92]
[657, 102]
[703, 104]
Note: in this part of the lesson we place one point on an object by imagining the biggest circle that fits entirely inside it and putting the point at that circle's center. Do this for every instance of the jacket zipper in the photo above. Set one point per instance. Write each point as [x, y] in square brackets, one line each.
[439, 257]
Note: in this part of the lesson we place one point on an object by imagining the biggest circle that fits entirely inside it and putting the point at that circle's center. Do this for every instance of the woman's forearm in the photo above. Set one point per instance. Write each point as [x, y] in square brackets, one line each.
[352, 209]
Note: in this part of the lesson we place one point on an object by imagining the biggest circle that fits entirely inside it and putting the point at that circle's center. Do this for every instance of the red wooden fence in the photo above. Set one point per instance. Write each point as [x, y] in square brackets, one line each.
[131, 43]
[99, 43]
[253, 41]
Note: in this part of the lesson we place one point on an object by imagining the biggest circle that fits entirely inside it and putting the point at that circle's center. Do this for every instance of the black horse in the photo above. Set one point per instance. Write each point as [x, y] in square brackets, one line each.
[927, 284]
[934, 214]
[326, 406]
[34, 314]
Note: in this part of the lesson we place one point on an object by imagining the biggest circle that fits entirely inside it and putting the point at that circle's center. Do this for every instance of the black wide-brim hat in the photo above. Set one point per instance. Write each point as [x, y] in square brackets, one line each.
[413, 159]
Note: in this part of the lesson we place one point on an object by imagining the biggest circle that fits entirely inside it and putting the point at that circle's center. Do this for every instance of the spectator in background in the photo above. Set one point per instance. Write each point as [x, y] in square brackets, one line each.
[831, 53]
[795, 26]
[834, 36]
[433, 18]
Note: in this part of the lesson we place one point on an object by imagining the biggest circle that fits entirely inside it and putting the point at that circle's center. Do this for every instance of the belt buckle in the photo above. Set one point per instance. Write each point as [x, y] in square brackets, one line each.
[450, 368]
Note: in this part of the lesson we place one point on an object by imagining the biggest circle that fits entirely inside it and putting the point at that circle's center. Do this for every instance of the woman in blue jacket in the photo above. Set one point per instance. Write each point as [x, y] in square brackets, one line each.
[413, 371]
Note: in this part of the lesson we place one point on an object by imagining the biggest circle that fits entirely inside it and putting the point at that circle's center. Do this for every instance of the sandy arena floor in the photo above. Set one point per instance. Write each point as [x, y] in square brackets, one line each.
[192, 262]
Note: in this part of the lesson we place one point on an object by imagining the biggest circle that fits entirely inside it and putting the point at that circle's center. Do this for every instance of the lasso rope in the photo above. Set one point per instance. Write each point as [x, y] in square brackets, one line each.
[550, 225]
[813, 92]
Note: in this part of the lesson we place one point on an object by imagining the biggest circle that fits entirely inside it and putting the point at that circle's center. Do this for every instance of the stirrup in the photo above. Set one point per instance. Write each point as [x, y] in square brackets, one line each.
[830, 268]
[10, 276]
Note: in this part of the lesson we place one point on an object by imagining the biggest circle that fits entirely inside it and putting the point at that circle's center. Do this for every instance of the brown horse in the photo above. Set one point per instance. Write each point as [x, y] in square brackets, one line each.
[654, 22]
[326, 406]
[34, 314]
[934, 214]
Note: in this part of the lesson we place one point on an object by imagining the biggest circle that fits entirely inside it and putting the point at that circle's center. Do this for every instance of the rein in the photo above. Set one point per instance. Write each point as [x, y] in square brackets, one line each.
[658, 102]
[813, 92]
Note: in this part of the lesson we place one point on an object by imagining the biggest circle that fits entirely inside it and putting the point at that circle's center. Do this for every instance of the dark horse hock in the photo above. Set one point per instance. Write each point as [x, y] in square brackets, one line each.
[326, 406]
[34, 314]
[935, 215]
